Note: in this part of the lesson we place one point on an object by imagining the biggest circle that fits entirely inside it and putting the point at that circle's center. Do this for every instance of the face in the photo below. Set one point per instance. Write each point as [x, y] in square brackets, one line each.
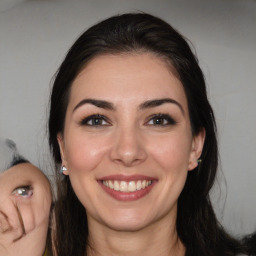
[25, 200]
[127, 141]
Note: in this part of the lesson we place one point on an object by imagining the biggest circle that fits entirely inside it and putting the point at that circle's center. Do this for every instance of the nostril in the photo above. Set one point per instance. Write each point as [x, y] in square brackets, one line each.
[128, 148]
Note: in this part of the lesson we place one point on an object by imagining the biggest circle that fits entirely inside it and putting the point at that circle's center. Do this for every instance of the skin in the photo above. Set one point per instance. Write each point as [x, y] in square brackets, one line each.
[24, 213]
[129, 142]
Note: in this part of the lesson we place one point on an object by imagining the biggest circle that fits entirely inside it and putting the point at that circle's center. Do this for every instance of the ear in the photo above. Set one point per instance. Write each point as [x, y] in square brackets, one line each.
[196, 149]
[62, 151]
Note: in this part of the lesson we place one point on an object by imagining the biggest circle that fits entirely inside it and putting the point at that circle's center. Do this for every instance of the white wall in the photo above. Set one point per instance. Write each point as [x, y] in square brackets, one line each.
[35, 36]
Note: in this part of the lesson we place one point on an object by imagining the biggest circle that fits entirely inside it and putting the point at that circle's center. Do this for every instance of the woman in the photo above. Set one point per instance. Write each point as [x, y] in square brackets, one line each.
[25, 201]
[134, 134]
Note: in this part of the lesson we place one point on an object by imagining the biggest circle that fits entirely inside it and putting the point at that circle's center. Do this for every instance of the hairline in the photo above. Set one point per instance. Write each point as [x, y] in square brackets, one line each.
[136, 50]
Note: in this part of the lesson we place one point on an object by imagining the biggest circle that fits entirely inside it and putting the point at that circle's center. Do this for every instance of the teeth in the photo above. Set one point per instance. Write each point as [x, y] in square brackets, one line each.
[110, 184]
[138, 185]
[124, 186]
[116, 185]
[131, 186]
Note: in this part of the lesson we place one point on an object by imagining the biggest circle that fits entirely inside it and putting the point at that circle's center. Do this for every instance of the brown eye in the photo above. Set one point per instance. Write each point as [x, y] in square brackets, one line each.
[161, 120]
[95, 120]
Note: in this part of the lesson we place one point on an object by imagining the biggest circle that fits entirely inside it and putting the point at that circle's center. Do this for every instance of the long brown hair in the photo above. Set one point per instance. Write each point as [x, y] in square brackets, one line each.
[197, 225]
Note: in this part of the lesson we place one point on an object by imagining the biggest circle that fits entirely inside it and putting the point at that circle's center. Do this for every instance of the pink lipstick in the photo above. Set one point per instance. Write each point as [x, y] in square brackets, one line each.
[127, 188]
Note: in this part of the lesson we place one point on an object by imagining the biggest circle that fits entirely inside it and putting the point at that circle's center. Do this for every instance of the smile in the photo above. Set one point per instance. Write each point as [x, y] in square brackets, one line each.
[127, 186]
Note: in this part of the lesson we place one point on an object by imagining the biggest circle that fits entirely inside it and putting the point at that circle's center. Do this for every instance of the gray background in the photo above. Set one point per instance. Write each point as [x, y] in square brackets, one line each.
[35, 35]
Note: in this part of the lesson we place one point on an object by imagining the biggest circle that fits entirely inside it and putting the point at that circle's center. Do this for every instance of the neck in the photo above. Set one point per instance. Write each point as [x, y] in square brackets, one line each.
[159, 238]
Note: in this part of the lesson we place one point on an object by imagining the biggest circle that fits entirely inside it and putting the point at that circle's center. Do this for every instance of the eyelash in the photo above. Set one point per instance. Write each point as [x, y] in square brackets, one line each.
[23, 189]
[88, 119]
[166, 118]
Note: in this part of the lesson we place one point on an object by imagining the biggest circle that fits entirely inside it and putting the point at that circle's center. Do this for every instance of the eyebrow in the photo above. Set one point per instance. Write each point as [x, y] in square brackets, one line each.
[110, 106]
[98, 103]
[159, 102]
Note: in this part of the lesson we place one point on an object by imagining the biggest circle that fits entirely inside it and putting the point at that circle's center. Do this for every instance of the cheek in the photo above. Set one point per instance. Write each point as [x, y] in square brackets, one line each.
[172, 153]
[85, 153]
[35, 212]
[28, 214]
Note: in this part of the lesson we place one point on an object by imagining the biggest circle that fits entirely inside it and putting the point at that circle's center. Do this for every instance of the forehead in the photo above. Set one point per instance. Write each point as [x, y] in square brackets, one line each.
[125, 77]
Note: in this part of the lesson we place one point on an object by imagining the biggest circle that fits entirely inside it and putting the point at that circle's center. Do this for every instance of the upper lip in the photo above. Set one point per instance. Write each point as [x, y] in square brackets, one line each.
[122, 177]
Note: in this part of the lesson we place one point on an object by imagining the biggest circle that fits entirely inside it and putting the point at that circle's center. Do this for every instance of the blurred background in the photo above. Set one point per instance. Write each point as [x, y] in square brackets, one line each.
[36, 34]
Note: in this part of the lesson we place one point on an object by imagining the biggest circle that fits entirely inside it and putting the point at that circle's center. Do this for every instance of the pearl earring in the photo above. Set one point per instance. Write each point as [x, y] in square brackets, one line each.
[63, 168]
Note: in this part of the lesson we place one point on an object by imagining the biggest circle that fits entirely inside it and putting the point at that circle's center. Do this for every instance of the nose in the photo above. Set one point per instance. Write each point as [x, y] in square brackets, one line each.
[128, 147]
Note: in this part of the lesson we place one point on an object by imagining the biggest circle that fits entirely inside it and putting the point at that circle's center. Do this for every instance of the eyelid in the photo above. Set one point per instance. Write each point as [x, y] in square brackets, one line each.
[84, 121]
[168, 117]
[21, 189]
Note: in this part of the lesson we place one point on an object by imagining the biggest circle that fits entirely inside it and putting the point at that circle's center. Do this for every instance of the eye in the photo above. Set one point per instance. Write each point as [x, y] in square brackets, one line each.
[161, 120]
[95, 120]
[24, 191]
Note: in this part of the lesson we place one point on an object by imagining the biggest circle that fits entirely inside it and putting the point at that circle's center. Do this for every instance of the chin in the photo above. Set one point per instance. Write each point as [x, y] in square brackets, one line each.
[128, 222]
[126, 226]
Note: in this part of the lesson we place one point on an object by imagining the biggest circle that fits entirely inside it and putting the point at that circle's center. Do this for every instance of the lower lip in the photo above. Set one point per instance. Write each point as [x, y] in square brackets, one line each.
[127, 196]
